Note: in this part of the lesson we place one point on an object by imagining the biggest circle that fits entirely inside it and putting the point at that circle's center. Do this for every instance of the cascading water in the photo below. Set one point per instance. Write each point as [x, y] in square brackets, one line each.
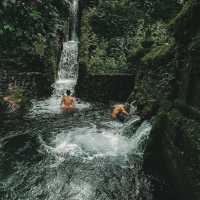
[68, 67]
[74, 19]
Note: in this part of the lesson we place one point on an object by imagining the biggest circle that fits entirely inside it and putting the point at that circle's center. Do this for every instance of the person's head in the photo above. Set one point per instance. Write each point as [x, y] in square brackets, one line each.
[68, 92]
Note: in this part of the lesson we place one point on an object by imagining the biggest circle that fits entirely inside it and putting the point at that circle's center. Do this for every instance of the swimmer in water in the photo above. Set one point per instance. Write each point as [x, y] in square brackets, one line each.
[119, 113]
[68, 102]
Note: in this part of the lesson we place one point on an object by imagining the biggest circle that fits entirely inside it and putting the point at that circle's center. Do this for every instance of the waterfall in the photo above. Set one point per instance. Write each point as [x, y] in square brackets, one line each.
[67, 70]
[74, 19]
[68, 66]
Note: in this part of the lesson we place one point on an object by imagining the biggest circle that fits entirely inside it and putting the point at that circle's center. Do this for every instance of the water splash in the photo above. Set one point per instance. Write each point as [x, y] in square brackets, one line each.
[91, 142]
[78, 157]
[106, 163]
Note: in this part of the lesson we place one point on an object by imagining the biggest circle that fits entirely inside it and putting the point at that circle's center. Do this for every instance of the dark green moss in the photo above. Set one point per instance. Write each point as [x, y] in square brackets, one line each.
[156, 53]
[114, 34]
[184, 12]
[168, 77]
[31, 34]
[186, 23]
[195, 43]
[173, 153]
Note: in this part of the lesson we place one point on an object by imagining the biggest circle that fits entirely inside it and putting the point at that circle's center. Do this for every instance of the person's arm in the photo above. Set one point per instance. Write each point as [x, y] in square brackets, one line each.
[114, 116]
[114, 113]
[73, 101]
[125, 112]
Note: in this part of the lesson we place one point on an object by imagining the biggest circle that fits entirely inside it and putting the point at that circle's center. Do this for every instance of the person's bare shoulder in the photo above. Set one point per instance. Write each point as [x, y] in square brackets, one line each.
[72, 99]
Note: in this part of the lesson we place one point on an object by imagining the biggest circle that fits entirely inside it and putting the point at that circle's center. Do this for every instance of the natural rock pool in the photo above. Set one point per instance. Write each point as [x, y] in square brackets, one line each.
[50, 155]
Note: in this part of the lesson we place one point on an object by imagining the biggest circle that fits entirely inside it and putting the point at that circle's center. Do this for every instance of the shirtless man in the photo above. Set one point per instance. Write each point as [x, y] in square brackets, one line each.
[119, 113]
[68, 103]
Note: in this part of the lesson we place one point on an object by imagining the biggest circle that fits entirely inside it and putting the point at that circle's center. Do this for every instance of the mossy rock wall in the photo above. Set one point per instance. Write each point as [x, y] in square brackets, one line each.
[155, 77]
[188, 49]
[165, 76]
[105, 87]
[171, 70]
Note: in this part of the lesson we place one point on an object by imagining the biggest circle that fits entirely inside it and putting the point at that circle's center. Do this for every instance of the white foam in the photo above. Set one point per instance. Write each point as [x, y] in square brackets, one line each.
[81, 105]
[95, 142]
[53, 106]
[82, 190]
[65, 148]
[75, 190]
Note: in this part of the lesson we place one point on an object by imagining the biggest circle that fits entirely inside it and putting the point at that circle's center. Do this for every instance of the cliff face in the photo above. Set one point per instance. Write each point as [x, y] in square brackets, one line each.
[31, 36]
[167, 87]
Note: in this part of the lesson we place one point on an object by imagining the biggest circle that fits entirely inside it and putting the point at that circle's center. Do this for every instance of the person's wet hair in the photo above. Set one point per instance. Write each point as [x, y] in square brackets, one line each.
[68, 92]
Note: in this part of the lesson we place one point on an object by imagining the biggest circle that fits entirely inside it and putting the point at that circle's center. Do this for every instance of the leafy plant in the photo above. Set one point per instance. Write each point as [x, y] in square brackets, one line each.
[40, 45]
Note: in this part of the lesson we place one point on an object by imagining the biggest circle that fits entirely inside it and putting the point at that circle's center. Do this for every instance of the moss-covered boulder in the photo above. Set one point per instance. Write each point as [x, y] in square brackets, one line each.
[154, 83]
[173, 154]
[187, 36]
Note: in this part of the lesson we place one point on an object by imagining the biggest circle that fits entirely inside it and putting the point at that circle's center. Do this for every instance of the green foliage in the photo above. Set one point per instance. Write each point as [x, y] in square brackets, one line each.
[113, 32]
[185, 25]
[28, 29]
[163, 10]
[35, 14]
[18, 96]
[156, 53]
[110, 15]
[184, 11]
[40, 45]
